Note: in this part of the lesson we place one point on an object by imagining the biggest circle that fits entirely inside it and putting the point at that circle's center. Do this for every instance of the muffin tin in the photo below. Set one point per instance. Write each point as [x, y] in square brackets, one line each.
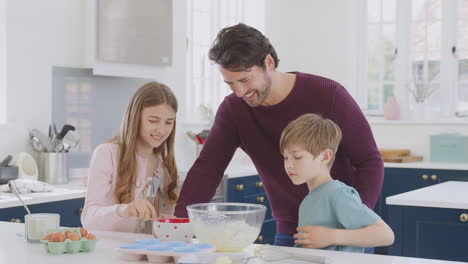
[68, 246]
[161, 252]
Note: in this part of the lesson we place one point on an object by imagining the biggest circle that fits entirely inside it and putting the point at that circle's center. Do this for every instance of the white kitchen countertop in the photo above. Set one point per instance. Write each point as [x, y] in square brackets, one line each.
[452, 194]
[60, 193]
[428, 165]
[14, 249]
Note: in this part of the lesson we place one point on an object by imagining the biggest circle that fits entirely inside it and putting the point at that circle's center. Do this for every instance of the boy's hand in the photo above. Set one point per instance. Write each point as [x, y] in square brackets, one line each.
[311, 236]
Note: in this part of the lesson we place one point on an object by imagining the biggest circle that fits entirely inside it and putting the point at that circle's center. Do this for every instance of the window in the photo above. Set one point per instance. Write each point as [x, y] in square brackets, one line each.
[417, 50]
[205, 86]
[382, 51]
[3, 79]
[460, 53]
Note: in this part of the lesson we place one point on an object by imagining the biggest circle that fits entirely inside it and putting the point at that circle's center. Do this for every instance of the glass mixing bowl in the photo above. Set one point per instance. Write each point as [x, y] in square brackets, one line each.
[230, 227]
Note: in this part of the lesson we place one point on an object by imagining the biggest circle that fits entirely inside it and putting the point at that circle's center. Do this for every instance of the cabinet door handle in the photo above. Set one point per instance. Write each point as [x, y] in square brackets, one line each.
[434, 177]
[425, 177]
[259, 184]
[260, 238]
[240, 187]
[464, 217]
[260, 199]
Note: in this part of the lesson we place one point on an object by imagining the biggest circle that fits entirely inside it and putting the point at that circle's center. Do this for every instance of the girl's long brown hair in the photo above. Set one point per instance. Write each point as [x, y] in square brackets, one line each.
[150, 94]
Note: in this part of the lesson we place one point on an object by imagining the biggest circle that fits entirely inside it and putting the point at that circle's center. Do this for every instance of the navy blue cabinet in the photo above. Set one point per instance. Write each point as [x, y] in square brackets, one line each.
[69, 210]
[249, 189]
[401, 180]
[426, 232]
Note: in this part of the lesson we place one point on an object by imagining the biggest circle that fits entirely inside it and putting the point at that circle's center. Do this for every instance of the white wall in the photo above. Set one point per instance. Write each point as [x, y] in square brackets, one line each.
[314, 36]
[39, 34]
[319, 37]
[413, 136]
[2, 61]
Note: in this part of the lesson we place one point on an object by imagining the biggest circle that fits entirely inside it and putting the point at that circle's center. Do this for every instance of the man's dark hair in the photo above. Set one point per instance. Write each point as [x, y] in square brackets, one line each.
[240, 47]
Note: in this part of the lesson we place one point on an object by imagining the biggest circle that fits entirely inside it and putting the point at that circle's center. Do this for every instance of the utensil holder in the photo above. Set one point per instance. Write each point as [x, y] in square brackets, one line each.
[53, 167]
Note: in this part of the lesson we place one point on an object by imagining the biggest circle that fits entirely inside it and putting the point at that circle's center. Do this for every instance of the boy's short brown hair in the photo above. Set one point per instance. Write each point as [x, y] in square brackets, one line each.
[313, 133]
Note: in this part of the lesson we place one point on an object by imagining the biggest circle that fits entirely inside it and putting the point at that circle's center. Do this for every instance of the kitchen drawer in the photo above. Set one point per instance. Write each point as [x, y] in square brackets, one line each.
[260, 199]
[267, 233]
[69, 210]
[248, 185]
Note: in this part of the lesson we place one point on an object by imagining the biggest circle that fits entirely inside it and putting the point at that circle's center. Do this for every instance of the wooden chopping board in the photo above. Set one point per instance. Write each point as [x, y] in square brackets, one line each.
[395, 153]
[403, 159]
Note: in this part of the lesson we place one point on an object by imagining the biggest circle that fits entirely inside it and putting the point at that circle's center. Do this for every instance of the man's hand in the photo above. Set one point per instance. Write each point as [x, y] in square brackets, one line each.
[138, 208]
[312, 236]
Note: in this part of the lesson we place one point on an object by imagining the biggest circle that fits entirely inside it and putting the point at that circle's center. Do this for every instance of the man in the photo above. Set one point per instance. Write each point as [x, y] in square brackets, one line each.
[262, 104]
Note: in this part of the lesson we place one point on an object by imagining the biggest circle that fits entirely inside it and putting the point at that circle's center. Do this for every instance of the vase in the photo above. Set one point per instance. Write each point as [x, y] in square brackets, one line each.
[419, 111]
[392, 109]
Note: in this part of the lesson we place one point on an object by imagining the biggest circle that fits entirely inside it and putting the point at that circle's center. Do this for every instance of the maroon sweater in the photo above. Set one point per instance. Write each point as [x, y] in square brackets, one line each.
[257, 131]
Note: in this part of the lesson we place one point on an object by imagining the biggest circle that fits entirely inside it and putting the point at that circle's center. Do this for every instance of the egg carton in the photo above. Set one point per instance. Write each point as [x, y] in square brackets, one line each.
[156, 251]
[69, 246]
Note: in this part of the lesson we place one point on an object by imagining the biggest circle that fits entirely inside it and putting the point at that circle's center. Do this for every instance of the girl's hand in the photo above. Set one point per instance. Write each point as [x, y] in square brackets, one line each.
[166, 216]
[138, 208]
[311, 236]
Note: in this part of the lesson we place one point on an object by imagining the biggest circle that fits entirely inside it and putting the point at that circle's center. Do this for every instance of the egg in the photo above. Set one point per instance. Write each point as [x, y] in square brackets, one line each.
[67, 232]
[91, 237]
[48, 237]
[58, 237]
[83, 231]
[73, 236]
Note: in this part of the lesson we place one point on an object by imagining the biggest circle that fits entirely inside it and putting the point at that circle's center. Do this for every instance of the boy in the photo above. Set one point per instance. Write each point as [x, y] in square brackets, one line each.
[332, 215]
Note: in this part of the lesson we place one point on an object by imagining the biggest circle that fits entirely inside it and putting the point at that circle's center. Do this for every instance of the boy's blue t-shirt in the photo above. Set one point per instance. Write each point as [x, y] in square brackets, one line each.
[336, 205]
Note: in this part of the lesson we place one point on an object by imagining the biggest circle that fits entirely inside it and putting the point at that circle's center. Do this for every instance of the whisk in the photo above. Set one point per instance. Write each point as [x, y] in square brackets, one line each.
[270, 253]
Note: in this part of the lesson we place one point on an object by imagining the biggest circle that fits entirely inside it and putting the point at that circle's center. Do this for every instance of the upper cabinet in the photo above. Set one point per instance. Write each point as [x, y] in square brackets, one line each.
[133, 38]
[135, 32]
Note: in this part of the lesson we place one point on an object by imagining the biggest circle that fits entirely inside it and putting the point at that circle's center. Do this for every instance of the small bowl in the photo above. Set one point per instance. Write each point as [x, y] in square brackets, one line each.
[173, 229]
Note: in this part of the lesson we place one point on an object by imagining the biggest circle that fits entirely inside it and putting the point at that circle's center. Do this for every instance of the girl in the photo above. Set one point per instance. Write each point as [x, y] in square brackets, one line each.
[133, 177]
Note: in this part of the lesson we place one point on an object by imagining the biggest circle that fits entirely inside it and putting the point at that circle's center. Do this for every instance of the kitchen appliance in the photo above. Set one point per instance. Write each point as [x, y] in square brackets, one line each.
[449, 147]
[27, 166]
